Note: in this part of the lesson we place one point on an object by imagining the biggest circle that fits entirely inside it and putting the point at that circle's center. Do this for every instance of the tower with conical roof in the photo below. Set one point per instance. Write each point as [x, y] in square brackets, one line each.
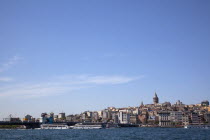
[142, 104]
[155, 99]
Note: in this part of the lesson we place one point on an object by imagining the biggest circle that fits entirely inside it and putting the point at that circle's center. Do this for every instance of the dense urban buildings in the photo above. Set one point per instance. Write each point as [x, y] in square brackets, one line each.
[156, 114]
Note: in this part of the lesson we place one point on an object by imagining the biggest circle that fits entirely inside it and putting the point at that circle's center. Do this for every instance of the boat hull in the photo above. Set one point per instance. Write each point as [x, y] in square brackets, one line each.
[54, 126]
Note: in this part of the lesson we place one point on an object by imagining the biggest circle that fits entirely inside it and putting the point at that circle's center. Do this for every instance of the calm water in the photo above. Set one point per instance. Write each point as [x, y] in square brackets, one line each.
[111, 134]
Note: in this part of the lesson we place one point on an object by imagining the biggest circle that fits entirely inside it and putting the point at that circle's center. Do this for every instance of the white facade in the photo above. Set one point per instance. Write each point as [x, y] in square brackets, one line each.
[164, 119]
[124, 117]
[89, 114]
[136, 111]
[99, 114]
[61, 115]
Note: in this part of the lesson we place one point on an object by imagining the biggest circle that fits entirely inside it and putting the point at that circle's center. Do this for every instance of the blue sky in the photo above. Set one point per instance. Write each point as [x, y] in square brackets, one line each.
[82, 55]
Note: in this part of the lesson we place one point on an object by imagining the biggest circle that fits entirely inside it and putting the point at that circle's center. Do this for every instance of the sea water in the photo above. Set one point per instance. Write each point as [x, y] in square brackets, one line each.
[108, 134]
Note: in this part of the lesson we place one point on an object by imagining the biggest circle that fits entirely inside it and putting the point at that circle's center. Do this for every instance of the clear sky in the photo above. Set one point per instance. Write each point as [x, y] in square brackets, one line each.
[73, 56]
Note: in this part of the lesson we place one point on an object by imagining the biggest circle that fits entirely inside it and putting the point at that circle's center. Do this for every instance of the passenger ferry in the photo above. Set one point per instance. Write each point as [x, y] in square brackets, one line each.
[54, 126]
[197, 126]
[86, 126]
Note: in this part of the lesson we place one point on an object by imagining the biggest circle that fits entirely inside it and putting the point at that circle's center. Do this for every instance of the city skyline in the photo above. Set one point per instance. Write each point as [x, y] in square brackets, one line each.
[154, 101]
[74, 56]
[146, 115]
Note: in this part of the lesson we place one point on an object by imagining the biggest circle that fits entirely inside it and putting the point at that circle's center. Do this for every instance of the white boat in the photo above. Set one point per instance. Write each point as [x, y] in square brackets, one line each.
[86, 126]
[197, 126]
[54, 126]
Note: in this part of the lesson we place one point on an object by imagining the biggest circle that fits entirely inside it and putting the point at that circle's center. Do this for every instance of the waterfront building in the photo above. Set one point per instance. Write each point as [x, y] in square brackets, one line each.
[11, 119]
[69, 118]
[134, 119]
[51, 117]
[207, 117]
[152, 120]
[164, 119]
[55, 118]
[106, 115]
[143, 116]
[95, 116]
[74, 118]
[176, 117]
[89, 114]
[86, 117]
[99, 114]
[62, 116]
[27, 118]
[115, 117]
[45, 118]
[185, 119]
[152, 117]
[124, 117]
[195, 118]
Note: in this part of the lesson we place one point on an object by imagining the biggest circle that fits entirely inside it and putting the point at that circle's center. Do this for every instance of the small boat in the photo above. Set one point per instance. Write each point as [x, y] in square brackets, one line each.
[86, 126]
[197, 126]
[110, 125]
[54, 126]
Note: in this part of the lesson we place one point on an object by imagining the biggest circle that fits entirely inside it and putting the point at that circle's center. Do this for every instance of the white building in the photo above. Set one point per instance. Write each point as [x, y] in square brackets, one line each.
[164, 119]
[124, 117]
[89, 114]
[61, 116]
[99, 114]
[136, 111]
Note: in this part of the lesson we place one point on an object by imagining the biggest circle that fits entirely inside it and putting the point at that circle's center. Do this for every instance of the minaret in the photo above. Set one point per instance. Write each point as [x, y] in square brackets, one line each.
[156, 99]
